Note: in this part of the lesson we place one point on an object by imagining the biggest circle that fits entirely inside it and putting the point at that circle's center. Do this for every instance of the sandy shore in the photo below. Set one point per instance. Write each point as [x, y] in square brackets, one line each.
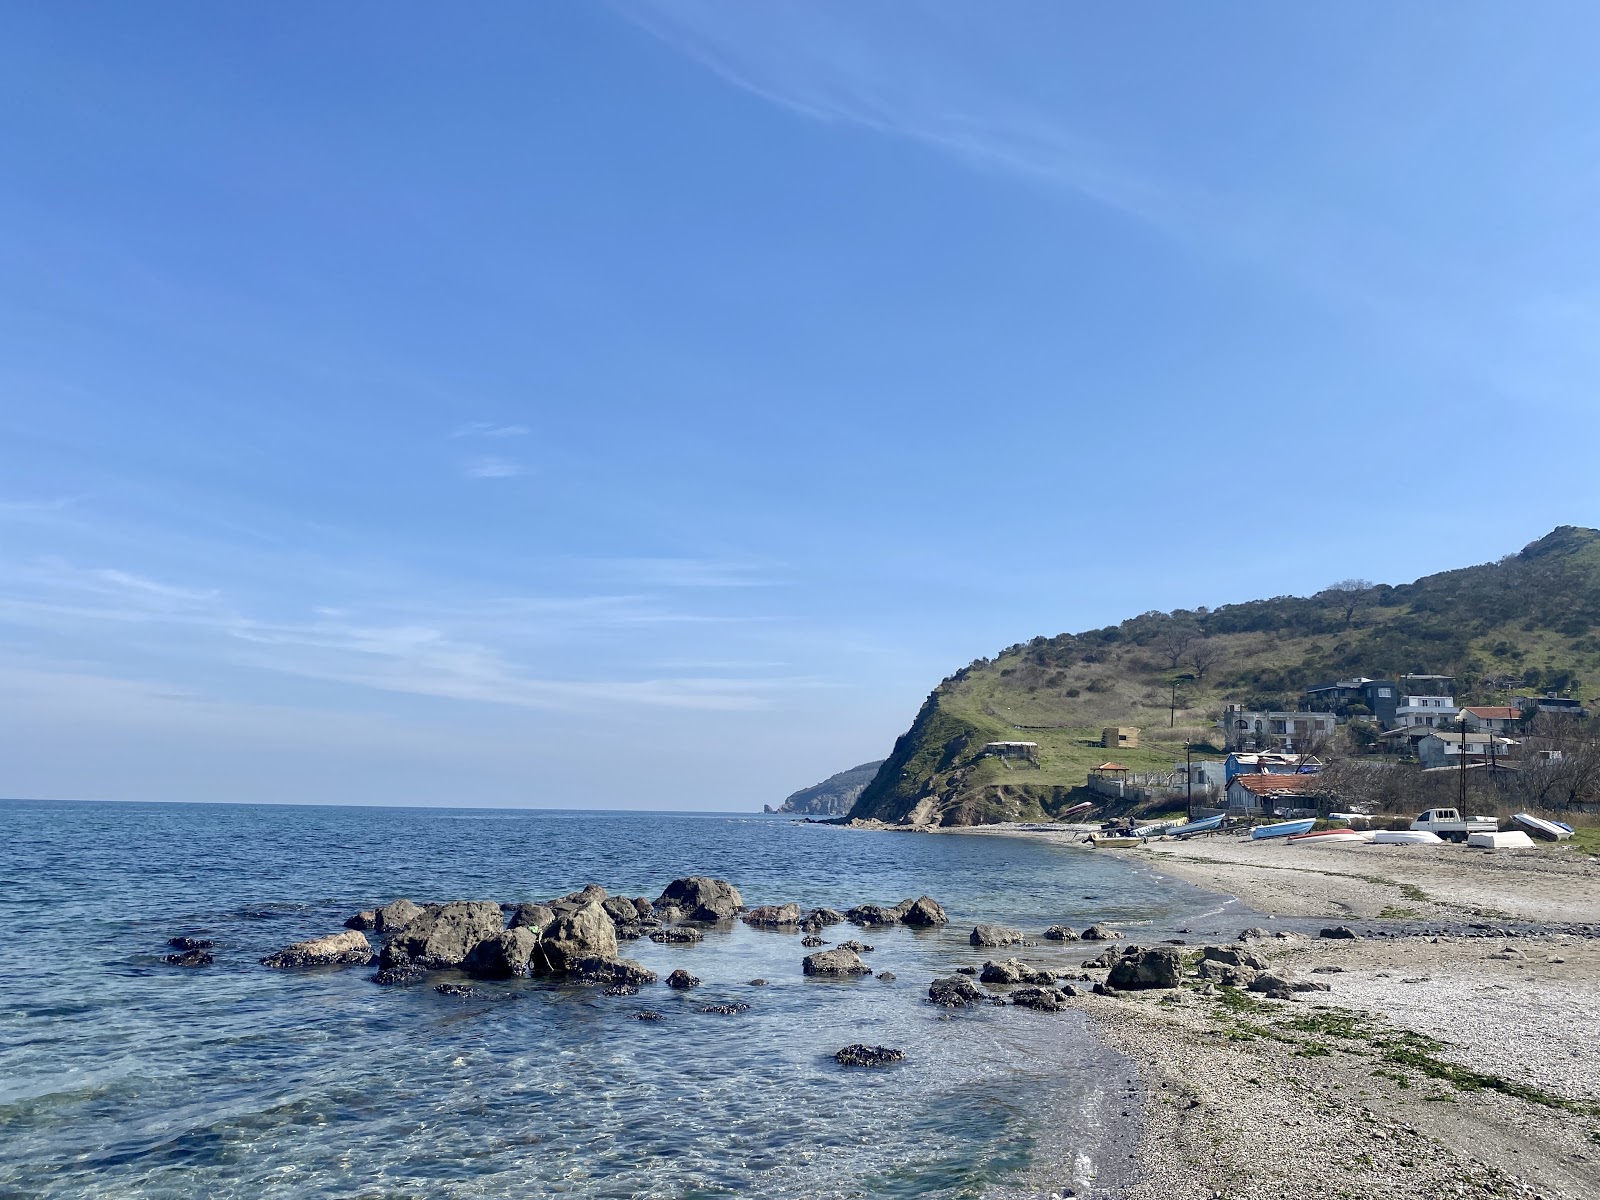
[1463, 1063]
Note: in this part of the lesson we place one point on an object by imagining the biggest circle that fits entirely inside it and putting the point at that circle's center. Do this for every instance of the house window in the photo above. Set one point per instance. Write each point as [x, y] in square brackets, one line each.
[1384, 693]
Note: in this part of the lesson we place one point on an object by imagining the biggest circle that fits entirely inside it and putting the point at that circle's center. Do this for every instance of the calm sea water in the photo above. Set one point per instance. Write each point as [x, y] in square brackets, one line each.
[121, 1076]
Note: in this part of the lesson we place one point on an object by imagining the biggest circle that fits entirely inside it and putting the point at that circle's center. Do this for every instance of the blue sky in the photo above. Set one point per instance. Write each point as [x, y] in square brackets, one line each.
[644, 405]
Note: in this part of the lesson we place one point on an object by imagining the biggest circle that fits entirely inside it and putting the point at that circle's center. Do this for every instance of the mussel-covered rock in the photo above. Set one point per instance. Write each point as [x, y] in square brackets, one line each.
[868, 1056]
[335, 949]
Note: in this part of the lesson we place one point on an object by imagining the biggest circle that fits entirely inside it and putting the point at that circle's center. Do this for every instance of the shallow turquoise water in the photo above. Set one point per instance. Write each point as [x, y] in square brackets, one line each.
[121, 1076]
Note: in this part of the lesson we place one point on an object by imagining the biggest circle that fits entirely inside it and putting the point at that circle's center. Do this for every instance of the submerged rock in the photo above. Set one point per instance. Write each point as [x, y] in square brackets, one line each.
[835, 962]
[676, 935]
[886, 976]
[702, 898]
[1153, 967]
[813, 940]
[728, 1008]
[647, 1014]
[682, 980]
[462, 991]
[824, 916]
[189, 958]
[868, 1056]
[595, 969]
[622, 989]
[399, 976]
[334, 949]
[994, 936]
[190, 943]
[858, 947]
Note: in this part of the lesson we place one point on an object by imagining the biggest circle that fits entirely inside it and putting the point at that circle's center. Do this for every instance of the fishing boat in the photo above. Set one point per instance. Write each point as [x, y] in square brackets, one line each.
[1340, 833]
[1538, 827]
[1513, 839]
[1077, 810]
[1407, 837]
[1563, 825]
[1282, 829]
[1203, 825]
[1115, 843]
[1150, 831]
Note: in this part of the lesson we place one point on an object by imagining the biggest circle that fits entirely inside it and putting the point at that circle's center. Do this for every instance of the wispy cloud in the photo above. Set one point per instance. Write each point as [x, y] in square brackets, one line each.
[490, 429]
[490, 466]
[685, 572]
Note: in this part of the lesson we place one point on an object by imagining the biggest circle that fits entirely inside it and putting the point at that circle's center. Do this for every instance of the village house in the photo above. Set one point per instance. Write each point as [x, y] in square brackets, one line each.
[1271, 795]
[1442, 749]
[1491, 718]
[1380, 697]
[1247, 729]
[1431, 711]
[1269, 763]
[1559, 706]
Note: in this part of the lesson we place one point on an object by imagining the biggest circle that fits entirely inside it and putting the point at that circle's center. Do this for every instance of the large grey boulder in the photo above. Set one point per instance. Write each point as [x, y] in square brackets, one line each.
[1044, 999]
[442, 937]
[994, 936]
[1152, 967]
[531, 916]
[835, 962]
[392, 916]
[1234, 956]
[703, 899]
[924, 913]
[335, 949]
[583, 932]
[872, 914]
[514, 952]
[1228, 975]
[1060, 933]
[774, 916]
[621, 910]
[1282, 985]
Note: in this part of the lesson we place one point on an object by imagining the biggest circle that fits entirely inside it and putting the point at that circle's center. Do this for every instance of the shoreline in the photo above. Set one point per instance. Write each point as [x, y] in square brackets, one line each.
[1455, 1060]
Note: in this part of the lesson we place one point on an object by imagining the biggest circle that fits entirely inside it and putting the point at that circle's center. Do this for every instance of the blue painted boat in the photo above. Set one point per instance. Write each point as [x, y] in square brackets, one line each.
[1282, 829]
[1203, 825]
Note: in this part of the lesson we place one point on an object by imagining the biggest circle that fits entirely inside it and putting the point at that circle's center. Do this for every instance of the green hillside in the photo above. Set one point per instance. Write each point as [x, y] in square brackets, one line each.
[1528, 623]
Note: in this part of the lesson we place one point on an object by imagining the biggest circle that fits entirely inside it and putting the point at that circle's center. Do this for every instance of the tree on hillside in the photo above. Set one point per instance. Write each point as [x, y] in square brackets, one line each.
[1350, 595]
[1204, 655]
[1175, 639]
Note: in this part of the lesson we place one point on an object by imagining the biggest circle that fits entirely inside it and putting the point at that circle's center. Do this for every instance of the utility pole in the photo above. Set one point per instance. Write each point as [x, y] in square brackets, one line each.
[1188, 773]
[1462, 751]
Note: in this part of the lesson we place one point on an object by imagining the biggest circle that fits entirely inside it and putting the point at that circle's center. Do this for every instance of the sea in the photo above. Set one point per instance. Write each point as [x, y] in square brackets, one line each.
[123, 1076]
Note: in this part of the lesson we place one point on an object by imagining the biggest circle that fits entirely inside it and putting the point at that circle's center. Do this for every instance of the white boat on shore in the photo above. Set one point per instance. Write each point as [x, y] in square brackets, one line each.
[1513, 839]
[1203, 825]
[1282, 829]
[1341, 834]
[1407, 837]
[1550, 831]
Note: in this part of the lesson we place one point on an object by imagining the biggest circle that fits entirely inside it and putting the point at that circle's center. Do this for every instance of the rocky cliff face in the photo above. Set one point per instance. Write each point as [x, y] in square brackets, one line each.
[833, 796]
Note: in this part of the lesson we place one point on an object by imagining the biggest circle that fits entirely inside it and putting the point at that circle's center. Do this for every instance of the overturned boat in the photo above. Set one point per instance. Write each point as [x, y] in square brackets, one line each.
[1282, 829]
[1549, 831]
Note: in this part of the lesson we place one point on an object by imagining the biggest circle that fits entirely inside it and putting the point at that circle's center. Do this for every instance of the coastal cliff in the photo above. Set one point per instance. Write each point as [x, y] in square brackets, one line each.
[1525, 624]
[833, 797]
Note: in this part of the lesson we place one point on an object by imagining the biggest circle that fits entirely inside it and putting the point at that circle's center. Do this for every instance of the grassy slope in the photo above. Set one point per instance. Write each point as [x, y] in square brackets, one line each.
[1539, 609]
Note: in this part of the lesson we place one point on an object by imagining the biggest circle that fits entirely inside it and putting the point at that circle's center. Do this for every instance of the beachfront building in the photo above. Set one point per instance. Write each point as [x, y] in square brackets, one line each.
[1271, 795]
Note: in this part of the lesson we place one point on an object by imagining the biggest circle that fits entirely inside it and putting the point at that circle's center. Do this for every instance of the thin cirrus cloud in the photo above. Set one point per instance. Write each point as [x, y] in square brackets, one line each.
[492, 466]
[442, 654]
[489, 429]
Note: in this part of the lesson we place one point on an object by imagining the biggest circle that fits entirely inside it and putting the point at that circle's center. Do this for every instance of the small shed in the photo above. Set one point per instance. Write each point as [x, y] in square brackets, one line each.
[1027, 750]
[1119, 737]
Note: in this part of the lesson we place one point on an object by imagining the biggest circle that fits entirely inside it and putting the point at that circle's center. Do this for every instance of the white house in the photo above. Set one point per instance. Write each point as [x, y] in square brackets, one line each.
[1431, 711]
[1442, 749]
[1482, 718]
[1266, 730]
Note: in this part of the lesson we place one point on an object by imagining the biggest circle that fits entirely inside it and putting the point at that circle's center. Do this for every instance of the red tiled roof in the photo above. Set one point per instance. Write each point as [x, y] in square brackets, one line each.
[1261, 784]
[1494, 713]
[1111, 767]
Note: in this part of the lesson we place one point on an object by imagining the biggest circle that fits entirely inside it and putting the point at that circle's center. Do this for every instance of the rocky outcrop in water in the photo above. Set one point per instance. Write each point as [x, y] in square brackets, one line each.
[1014, 970]
[581, 931]
[667, 937]
[836, 963]
[442, 937]
[530, 916]
[510, 953]
[1044, 999]
[955, 991]
[924, 913]
[774, 916]
[994, 936]
[868, 1056]
[1100, 933]
[610, 970]
[335, 949]
[392, 916]
[1060, 933]
[189, 958]
[682, 980]
[702, 899]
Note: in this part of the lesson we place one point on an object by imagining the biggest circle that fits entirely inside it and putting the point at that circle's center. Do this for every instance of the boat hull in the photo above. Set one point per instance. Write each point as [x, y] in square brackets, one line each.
[1538, 827]
[1513, 839]
[1408, 837]
[1204, 825]
[1282, 829]
[1329, 835]
[1117, 843]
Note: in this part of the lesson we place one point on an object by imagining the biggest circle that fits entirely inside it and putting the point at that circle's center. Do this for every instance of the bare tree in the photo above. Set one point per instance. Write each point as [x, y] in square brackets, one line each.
[1175, 639]
[1203, 655]
[1349, 595]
